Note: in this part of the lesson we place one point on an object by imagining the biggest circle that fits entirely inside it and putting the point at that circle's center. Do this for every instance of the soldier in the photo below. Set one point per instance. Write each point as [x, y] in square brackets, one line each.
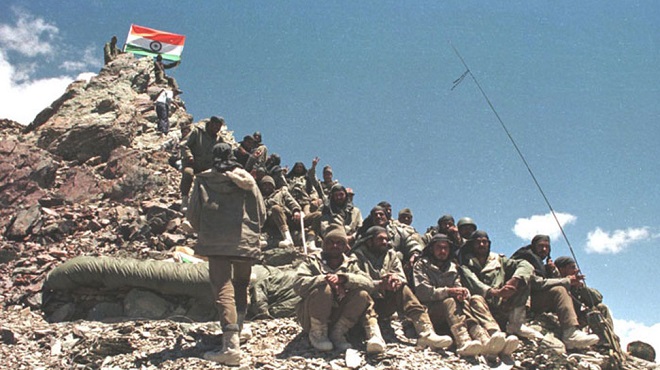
[328, 182]
[551, 294]
[110, 50]
[445, 226]
[301, 186]
[438, 286]
[282, 209]
[162, 105]
[159, 73]
[405, 216]
[503, 282]
[335, 293]
[466, 227]
[391, 293]
[197, 153]
[339, 210]
[244, 149]
[584, 298]
[407, 248]
[231, 246]
[404, 221]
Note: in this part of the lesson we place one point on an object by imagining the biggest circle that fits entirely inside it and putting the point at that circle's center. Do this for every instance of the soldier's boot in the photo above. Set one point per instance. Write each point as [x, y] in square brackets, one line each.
[492, 344]
[465, 346]
[230, 354]
[338, 334]
[375, 342]
[287, 241]
[516, 325]
[511, 343]
[576, 338]
[318, 335]
[428, 337]
[245, 329]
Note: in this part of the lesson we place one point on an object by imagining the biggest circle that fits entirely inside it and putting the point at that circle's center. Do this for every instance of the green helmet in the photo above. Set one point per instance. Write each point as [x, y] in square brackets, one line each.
[641, 350]
[466, 221]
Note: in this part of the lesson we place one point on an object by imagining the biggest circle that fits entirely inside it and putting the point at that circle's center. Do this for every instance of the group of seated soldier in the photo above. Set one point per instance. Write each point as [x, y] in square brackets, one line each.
[446, 280]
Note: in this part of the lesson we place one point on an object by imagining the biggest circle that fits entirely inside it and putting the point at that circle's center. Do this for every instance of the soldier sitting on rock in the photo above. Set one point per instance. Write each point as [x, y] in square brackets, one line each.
[282, 210]
[503, 282]
[438, 286]
[390, 290]
[585, 299]
[335, 296]
[551, 294]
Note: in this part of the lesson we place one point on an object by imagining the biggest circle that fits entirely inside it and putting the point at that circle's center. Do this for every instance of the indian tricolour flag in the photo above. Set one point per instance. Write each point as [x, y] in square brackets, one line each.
[147, 41]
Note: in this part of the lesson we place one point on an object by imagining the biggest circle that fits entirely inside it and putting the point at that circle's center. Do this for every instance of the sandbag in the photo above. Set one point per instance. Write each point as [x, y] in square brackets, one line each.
[114, 273]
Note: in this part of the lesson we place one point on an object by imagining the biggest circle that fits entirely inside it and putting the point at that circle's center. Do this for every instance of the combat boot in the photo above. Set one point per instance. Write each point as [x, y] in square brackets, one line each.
[516, 325]
[576, 338]
[318, 335]
[511, 343]
[465, 346]
[287, 241]
[375, 342]
[492, 344]
[428, 337]
[230, 354]
[338, 334]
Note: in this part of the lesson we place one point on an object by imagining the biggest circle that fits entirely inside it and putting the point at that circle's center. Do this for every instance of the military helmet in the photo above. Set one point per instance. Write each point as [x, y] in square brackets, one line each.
[641, 350]
[466, 221]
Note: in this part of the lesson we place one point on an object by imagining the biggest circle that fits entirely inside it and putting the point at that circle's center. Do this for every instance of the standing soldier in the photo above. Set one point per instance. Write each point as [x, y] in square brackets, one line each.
[110, 50]
[227, 212]
[197, 153]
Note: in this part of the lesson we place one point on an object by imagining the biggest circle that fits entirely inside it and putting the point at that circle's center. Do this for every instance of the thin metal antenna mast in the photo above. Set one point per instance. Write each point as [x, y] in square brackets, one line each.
[520, 154]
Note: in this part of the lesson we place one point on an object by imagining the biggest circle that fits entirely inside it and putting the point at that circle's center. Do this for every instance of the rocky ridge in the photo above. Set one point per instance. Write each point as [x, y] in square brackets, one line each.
[90, 176]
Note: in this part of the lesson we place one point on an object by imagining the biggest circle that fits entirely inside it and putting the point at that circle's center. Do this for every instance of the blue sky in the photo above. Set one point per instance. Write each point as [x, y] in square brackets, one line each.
[366, 86]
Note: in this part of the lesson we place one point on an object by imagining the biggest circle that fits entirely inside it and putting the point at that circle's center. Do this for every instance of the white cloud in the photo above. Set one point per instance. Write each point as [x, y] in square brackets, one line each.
[599, 241]
[89, 59]
[35, 39]
[527, 228]
[30, 36]
[630, 331]
[21, 102]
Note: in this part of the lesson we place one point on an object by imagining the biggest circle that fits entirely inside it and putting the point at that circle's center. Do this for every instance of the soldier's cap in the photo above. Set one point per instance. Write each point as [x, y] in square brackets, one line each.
[539, 238]
[248, 138]
[216, 119]
[440, 238]
[405, 211]
[327, 169]
[350, 191]
[338, 187]
[267, 180]
[479, 234]
[564, 261]
[373, 231]
[336, 231]
[445, 218]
